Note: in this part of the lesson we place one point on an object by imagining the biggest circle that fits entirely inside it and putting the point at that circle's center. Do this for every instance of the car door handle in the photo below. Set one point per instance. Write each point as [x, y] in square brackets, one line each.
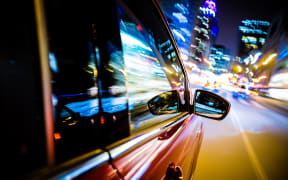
[170, 131]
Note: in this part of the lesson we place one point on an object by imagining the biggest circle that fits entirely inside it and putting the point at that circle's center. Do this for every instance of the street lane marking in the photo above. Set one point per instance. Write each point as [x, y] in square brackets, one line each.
[251, 153]
[255, 104]
[244, 102]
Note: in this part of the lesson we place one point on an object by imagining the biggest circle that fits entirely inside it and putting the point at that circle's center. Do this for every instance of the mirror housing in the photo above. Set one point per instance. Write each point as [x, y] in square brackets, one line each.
[210, 105]
[165, 103]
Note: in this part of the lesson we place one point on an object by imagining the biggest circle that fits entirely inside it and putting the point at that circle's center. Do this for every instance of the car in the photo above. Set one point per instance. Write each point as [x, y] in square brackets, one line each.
[214, 87]
[241, 91]
[97, 90]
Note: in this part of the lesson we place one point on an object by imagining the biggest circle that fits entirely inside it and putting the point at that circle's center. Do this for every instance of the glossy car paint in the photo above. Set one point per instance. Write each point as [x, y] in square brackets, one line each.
[178, 143]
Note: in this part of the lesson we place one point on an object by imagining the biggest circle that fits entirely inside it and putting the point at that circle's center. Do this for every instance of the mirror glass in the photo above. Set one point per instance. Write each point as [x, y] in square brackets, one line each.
[210, 105]
[164, 103]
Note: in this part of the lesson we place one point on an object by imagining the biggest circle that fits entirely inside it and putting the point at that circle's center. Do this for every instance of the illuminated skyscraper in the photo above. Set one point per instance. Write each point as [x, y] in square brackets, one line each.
[180, 15]
[220, 59]
[253, 35]
[204, 33]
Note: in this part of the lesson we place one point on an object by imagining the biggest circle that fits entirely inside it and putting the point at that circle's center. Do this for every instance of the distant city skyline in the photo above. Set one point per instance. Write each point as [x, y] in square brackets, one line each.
[230, 13]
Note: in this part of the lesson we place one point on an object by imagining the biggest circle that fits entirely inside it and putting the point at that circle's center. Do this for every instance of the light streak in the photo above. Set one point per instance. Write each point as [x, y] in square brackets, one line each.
[256, 57]
[167, 70]
[206, 61]
[251, 153]
[269, 58]
[262, 77]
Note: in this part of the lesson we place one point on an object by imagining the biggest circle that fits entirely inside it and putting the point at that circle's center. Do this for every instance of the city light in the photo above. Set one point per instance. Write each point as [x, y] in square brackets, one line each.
[206, 61]
[167, 70]
[239, 68]
[209, 8]
[269, 58]
[256, 57]
[262, 77]
[180, 17]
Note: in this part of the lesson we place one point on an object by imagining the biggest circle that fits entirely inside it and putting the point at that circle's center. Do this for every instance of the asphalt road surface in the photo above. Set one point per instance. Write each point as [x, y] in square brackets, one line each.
[250, 143]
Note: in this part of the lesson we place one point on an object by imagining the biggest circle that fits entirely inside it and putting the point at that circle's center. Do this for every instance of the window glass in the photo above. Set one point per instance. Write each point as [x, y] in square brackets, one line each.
[159, 38]
[75, 85]
[147, 73]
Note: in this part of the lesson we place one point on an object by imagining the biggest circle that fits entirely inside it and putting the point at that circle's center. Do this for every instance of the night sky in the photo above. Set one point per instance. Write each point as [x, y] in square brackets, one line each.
[231, 12]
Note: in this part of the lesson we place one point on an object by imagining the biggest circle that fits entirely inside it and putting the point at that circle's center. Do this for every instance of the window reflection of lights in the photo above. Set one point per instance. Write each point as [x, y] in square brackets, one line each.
[186, 31]
[130, 40]
[53, 62]
[184, 57]
[167, 70]
[181, 8]
[93, 91]
[178, 34]
[166, 43]
[134, 73]
[176, 68]
[173, 54]
[169, 56]
[180, 17]
[131, 61]
[110, 70]
[149, 57]
[176, 83]
[57, 136]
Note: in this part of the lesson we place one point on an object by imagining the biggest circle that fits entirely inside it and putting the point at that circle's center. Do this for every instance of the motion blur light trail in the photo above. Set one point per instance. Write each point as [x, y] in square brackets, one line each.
[250, 143]
[253, 157]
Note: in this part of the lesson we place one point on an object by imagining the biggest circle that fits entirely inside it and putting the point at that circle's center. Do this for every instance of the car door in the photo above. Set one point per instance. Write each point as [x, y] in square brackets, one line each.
[153, 66]
[84, 114]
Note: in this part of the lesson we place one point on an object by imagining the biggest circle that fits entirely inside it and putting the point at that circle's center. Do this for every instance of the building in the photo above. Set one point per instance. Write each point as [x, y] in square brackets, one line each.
[180, 15]
[273, 62]
[220, 59]
[253, 35]
[204, 34]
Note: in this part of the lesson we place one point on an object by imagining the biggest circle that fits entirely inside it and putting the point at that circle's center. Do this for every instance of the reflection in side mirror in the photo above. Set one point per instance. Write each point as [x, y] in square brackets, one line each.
[210, 105]
[165, 103]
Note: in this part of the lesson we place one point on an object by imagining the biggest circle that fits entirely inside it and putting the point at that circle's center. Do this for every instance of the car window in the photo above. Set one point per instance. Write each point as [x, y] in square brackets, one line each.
[150, 70]
[158, 36]
[74, 83]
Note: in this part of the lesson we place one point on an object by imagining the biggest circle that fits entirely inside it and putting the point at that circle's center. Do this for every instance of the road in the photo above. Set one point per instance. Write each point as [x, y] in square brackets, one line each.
[250, 143]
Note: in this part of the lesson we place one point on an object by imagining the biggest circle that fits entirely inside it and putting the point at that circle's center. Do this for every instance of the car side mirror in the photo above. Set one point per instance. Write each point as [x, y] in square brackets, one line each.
[210, 105]
[165, 103]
